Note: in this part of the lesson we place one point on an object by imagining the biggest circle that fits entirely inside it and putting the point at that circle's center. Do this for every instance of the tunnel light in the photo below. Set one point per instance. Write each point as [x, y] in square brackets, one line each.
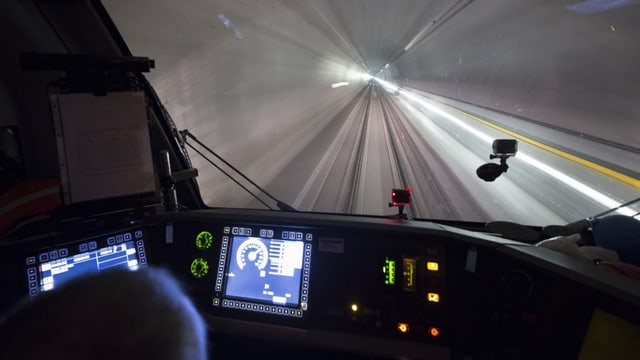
[339, 84]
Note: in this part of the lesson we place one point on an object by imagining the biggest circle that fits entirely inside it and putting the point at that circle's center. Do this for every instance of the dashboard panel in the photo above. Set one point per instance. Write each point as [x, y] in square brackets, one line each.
[345, 286]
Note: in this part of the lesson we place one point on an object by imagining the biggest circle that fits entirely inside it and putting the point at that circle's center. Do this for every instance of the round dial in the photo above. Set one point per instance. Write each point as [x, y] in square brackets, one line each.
[252, 252]
[199, 267]
[204, 240]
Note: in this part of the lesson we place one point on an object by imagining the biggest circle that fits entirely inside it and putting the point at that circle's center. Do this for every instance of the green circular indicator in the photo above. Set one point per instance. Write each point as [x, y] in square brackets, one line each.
[199, 267]
[204, 240]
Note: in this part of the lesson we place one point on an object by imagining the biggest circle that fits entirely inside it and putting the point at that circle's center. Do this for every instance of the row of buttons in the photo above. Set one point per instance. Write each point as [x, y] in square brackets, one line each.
[118, 239]
[141, 253]
[223, 257]
[33, 281]
[260, 308]
[267, 233]
[293, 235]
[238, 231]
[51, 255]
[305, 276]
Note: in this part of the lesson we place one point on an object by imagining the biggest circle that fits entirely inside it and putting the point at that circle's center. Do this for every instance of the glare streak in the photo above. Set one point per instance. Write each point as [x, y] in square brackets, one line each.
[579, 186]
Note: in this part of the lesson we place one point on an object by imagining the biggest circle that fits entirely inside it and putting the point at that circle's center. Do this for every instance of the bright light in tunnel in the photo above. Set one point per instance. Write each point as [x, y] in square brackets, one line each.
[555, 173]
[387, 85]
[360, 76]
[339, 84]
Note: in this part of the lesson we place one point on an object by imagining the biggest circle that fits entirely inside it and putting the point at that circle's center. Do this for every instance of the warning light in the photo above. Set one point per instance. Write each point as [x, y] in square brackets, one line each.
[403, 327]
[434, 331]
[432, 266]
[433, 297]
[400, 197]
[354, 307]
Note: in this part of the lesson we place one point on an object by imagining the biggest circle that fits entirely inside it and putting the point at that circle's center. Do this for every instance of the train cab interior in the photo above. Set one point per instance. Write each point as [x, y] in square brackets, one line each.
[105, 166]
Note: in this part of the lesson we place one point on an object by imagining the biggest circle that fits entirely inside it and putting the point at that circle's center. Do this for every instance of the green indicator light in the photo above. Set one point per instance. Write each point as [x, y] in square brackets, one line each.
[389, 270]
[204, 240]
[199, 268]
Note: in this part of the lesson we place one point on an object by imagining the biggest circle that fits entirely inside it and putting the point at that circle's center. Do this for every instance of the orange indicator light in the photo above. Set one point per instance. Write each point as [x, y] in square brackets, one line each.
[434, 331]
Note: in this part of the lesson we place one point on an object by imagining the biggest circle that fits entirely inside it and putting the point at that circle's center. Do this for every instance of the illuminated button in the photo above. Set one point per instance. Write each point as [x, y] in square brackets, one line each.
[434, 331]
[263, 233]
[241, 231]
[299, 313]
[354, 307]
[44, 257]
[199, 268]
[433, 297]
[216, 301]
[127, 237]
[227, 230]
[432, 266]
[403, 327]
[31, 260]
[31, 270]
[269, 233]
[299, 236]
[63, 252]
[32, 278]
[285, 234]
[204, 240]
[234, 231]
[111, 240]
[247, 232]
[292, 235]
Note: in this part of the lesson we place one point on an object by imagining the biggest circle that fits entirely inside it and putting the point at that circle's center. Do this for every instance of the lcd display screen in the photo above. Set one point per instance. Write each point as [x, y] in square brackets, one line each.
[265, 270]
[54, 267]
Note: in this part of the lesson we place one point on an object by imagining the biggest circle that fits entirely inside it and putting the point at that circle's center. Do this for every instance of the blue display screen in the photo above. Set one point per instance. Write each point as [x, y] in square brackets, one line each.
[265, 270]
[58, 271]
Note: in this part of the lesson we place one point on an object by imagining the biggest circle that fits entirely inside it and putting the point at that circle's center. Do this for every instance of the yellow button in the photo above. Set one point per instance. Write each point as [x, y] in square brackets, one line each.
[403, 327]
[432, 266]
[433, 297]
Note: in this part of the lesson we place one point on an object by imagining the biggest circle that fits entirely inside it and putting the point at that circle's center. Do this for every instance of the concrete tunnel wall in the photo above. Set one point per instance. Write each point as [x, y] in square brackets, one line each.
[544, 62]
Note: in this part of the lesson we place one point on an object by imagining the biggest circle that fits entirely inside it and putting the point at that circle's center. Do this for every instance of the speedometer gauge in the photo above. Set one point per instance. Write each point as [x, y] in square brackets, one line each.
[253, 252]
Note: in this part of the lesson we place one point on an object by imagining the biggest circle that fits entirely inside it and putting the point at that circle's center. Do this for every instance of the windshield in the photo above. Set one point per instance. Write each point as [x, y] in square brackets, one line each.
[330, 104]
